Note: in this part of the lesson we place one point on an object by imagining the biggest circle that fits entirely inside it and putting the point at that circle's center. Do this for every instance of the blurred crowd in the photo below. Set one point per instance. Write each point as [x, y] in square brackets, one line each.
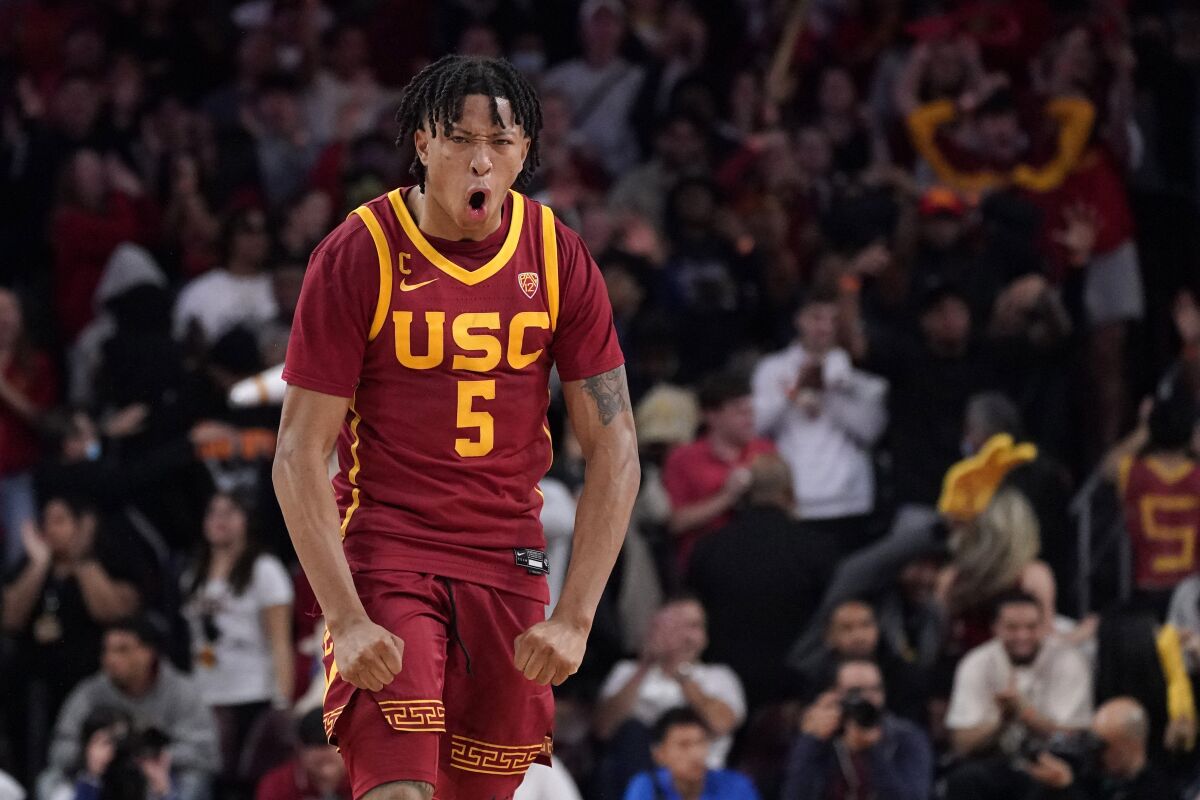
[907, 293]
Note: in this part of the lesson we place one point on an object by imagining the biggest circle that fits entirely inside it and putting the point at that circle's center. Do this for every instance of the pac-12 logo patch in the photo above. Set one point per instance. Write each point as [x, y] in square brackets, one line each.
[528, 281]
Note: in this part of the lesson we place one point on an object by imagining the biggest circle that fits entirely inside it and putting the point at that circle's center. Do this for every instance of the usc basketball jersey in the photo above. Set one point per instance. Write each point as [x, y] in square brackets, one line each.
[1162, 517]
[445, 350]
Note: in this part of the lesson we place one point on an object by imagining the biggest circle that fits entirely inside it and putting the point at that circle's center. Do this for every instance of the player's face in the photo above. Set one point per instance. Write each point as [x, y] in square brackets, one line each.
[469, 172]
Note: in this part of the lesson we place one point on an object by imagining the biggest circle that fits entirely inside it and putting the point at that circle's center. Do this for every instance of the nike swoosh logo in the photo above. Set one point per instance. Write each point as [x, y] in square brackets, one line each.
[409, 287]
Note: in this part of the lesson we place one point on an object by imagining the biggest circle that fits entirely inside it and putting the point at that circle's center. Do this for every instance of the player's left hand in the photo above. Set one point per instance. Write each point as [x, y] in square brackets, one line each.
[550, 651]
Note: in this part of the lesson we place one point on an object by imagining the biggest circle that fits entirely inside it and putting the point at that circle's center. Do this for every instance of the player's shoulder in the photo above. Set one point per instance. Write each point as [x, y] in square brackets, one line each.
[353, 235]
[568, 239]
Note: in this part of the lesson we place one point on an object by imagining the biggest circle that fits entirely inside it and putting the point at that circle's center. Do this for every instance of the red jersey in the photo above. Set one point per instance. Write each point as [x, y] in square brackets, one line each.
[1162, 517]
[445, 349]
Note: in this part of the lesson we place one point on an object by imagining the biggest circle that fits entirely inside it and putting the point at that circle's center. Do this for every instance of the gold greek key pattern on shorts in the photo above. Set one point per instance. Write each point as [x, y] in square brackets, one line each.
[415, 715]
[473, 755]
[330, 719]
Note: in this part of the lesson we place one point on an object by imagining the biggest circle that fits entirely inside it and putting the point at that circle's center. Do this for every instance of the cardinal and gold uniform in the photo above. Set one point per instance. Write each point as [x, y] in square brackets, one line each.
[445, 351]
[1162, 517]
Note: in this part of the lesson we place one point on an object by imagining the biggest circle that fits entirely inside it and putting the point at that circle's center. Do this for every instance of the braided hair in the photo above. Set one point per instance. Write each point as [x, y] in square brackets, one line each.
[435, 95]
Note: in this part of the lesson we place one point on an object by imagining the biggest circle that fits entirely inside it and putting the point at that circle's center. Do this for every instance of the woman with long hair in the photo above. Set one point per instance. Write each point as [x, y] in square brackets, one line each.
[996, 553]
[238, 605]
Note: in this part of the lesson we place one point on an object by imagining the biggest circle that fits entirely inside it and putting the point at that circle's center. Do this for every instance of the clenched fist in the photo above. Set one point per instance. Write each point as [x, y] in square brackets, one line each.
[367, 655]
[549, 652]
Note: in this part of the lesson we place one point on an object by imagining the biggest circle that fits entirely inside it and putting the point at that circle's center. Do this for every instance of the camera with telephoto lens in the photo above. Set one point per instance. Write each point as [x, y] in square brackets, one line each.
[1079, 749]
[859, 710]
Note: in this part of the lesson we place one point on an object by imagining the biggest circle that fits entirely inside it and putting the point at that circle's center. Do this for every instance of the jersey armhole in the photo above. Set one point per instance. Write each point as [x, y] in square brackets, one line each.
[550, 259]
[384, 252]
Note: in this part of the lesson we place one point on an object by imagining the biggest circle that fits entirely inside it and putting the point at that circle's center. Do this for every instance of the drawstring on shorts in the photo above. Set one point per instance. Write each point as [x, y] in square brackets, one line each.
[454, 634]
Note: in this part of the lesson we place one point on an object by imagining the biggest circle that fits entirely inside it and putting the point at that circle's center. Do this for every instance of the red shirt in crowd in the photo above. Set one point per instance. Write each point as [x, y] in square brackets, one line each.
[83, 240]
[694, 472]
[33, 376]
[445, 349]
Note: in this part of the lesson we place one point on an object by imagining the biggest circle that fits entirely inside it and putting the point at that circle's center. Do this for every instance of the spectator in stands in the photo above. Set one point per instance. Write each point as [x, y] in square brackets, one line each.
[1125, 772]
[1184, 615]
[28, 387]
[1158, 480]
[680, 151]
[993, 555]
[238, 293]
[238, 605]
[101, 204]
[930, 381]
[130, 268]
[601, 85]
[552, 782]
[1024, 682]
[102, 730]
[911, 623]
[286, 148]
[135, 679]
[706, 479]
[761, 578]
[74, 580]
[681, 740]
[317, 771]
[852, 632]
[824, 416]
[850, 745]
[668, 674]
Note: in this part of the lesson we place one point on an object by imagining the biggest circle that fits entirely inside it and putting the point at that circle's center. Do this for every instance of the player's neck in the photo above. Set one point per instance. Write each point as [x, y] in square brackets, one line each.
[433, 220]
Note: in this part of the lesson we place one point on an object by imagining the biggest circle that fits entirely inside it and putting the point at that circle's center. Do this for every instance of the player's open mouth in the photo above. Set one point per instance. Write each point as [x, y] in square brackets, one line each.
[477, 204]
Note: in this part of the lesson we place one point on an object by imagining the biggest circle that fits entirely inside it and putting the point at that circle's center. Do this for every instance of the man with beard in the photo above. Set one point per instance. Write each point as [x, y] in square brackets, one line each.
[1022, 684]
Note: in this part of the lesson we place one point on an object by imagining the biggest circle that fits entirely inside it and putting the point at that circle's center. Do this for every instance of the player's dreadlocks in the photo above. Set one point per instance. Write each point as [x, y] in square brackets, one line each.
[435, 95]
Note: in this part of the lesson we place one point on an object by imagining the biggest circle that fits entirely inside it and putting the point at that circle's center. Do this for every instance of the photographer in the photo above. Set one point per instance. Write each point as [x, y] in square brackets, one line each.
[127, 766]
[1121, 771]
[850, 746]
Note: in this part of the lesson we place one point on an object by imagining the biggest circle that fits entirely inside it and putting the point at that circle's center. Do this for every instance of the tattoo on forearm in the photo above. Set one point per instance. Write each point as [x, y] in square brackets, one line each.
[610, 392]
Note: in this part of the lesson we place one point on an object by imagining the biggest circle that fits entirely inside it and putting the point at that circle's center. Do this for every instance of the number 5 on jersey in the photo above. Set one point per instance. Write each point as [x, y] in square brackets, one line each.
[468, 417]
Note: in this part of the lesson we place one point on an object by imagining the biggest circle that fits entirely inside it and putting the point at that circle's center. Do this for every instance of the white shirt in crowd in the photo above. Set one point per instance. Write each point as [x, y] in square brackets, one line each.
[241, 670]
[660, 693]
[219, 301]
[829, 454]
[546, 783]
[1058, 684]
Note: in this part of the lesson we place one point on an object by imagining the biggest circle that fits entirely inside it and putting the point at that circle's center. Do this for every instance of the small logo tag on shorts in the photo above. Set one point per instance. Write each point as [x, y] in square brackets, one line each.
[534, 561]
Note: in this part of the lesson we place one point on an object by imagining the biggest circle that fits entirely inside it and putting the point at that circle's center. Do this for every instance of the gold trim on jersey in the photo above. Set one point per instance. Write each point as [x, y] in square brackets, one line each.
[384, 302]
[1167, 473]
[468, 276]
[353, 475]
[550, 259]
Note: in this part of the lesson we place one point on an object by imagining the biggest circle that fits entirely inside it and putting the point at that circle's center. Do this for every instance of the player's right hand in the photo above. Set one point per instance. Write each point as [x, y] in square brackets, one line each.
[367, 656]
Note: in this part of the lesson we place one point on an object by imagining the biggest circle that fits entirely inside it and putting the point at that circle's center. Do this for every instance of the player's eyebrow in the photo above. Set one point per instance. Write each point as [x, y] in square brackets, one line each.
[511, 130]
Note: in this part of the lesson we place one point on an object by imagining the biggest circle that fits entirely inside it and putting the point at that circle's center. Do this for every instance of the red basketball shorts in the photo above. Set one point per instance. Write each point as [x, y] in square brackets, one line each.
[459, 715]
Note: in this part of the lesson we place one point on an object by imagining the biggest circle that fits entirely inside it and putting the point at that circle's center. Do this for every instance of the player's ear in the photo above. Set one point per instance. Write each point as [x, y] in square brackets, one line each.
[421, 139]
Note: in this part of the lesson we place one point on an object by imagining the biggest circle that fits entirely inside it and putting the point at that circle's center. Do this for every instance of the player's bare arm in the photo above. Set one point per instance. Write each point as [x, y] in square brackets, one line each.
[368, 656]
[602, 419]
